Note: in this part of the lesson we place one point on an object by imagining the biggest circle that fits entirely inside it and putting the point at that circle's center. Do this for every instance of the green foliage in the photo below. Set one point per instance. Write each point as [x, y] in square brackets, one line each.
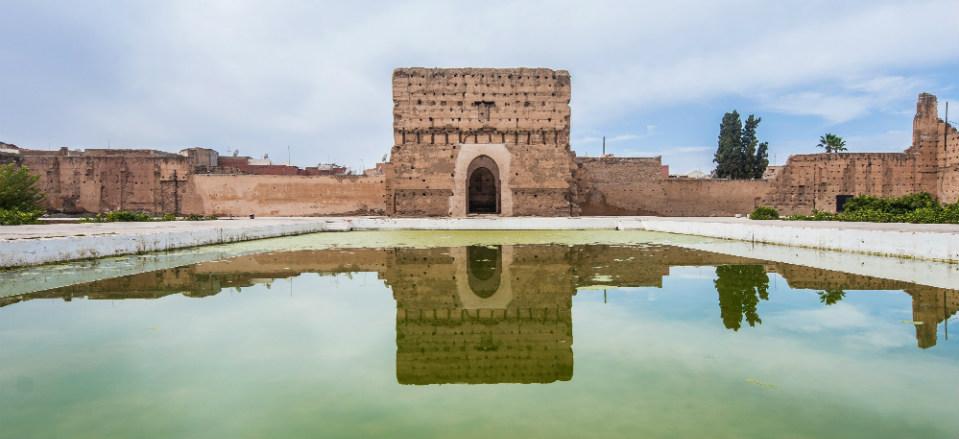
[118, 216]
[728, 158]
[831, 296]
[18, 189]
[739, 154]
[919, 208]
[832, 143]
[764, 213]
[740, 289]
[194, 217]
[128, 216]
[897, 205]
[13, 217]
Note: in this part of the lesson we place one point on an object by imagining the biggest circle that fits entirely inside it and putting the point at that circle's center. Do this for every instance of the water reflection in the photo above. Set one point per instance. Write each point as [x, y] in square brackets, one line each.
[508, 319]
[740, 289]
[503, 314]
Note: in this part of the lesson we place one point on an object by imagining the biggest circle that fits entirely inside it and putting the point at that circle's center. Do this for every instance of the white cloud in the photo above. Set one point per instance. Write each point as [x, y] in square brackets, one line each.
[668, 151]
[886, 141]
[853, 100]
[259, 76]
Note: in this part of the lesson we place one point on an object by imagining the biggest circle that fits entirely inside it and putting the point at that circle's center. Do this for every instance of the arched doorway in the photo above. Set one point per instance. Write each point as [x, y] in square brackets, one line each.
[483, 186]
[484, 264]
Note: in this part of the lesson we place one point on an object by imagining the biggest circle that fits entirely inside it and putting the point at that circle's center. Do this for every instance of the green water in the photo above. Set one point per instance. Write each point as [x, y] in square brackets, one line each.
[522, 341]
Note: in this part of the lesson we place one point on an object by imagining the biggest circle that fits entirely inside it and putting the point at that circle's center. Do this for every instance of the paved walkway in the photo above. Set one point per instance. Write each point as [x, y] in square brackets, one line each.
[46, 243]
[936, 242]
[39, 244]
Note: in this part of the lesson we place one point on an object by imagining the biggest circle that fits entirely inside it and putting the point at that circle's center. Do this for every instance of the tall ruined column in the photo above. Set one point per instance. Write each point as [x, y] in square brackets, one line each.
[926, 144]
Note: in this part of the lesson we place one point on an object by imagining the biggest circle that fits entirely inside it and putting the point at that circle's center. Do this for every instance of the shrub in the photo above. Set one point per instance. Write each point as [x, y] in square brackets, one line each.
[764, 213]
[195, 217]
[919, 208]
[13, 217]
[18, 189]
[893, 205]
[118, 216]
[168, 217]
[19, 196]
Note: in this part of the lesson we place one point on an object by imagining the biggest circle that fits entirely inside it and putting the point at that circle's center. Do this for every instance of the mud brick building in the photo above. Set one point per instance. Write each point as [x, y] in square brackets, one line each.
[470, 141]
[481, 141]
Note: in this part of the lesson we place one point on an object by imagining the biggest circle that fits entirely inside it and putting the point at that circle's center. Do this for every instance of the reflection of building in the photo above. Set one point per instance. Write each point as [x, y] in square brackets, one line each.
[482, 315]
[486, 141]
[504, 313]
[930, 305]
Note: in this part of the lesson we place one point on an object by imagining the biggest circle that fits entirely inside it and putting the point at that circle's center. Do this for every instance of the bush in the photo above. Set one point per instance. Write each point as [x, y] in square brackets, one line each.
[19, 196]
[919, 208]
[118, 216]
[895, 205]
[13, 217]
[168, 217]
[194, 217]
[18, 189]
[764, 213]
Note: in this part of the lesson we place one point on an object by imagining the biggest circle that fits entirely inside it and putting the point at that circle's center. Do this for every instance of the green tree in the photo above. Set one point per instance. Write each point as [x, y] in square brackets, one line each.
[740, 289]
[831, 296]
[18, 189]
[832, 143]
[739, 154]
[728, 156]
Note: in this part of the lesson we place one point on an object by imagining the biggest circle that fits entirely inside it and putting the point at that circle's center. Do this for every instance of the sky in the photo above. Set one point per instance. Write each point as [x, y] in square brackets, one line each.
[309, 81]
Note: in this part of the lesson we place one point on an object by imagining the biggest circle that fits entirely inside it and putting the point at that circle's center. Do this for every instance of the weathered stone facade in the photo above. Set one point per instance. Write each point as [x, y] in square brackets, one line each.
[819, 181]
[487, 141]
[99, 180]
[515, 120]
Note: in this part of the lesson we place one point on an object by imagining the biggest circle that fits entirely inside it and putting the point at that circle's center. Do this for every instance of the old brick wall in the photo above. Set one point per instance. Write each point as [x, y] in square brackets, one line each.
[636, 186]
[949, 166]
[619, 186]
[707, 197]
[813, 181]
[437, 111]
[927, 143]
[284, 195]
[101, 180]
[948, 163]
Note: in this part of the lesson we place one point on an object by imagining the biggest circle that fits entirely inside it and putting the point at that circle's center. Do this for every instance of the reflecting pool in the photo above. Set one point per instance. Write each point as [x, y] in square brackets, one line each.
[478, 341]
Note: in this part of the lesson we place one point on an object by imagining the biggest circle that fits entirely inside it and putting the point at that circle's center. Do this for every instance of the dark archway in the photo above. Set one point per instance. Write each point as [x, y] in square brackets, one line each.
[483, 186]
[484, 264]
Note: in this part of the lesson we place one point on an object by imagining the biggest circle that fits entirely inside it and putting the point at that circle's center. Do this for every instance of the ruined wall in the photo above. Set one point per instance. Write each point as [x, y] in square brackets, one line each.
[282, 195]
[813, 181]
[619, 186]
[523, 112]
[706, 197]
[936, 143]
[949, 166]
[636, 186]
[98, 180]
[628, 186]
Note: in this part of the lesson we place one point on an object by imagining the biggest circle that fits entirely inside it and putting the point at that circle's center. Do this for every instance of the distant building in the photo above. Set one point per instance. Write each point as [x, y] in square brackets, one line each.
[485, 141]
[9, 153]
[772, 171]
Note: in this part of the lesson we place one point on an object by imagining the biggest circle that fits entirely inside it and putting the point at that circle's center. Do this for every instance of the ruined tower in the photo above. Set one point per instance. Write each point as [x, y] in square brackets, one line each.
[935, 144]
[480, 141]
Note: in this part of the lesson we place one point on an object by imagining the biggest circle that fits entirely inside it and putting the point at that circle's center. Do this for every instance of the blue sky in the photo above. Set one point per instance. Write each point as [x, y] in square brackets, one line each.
[654, 77]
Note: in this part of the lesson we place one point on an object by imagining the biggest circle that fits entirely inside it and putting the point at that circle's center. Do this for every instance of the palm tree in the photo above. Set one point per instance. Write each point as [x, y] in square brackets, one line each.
[832, 143]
